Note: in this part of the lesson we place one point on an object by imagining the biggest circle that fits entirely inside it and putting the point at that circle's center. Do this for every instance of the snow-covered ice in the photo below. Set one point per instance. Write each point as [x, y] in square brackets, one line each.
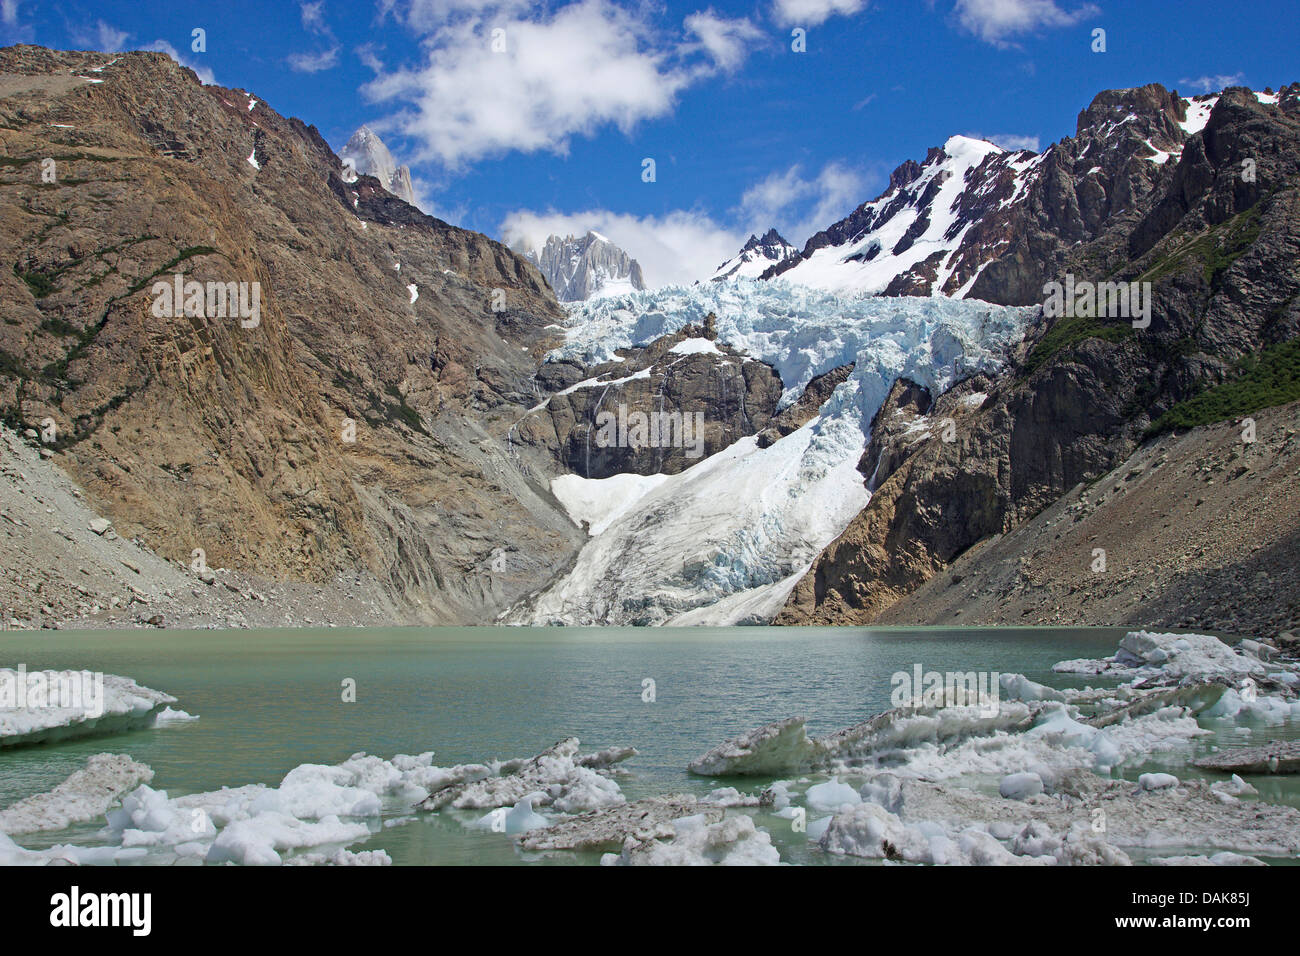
[46, 706]
[746, 522]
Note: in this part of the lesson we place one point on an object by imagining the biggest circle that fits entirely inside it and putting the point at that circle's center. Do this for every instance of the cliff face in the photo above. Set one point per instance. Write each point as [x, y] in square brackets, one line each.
[199, 431]
[697, 397]
[1220, 250]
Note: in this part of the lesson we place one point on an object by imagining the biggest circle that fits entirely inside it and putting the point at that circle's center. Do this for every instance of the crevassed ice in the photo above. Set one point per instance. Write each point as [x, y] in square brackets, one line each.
[750, 518]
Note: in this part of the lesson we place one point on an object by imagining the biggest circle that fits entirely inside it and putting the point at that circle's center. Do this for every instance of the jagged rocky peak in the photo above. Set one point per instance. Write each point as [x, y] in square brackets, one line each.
[372, 158]
[755, 257]
[585, 267]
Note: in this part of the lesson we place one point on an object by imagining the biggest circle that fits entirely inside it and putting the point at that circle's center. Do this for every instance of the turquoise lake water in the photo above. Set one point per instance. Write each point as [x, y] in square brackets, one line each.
[271, 700]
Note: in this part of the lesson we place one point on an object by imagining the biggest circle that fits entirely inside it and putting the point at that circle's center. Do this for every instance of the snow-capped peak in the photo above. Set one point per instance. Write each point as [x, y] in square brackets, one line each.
[586, 267]
[755, 257]
[912, 230]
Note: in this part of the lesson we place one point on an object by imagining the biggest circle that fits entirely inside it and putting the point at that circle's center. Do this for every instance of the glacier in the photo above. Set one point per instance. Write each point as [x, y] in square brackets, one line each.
[726, 540]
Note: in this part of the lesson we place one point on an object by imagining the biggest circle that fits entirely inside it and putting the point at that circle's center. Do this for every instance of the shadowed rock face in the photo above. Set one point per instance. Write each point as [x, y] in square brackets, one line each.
[196, 432]
[707, 398]
[1221, 253]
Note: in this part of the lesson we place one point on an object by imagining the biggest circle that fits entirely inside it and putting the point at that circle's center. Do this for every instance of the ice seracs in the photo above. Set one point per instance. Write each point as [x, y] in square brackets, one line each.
[725, 540]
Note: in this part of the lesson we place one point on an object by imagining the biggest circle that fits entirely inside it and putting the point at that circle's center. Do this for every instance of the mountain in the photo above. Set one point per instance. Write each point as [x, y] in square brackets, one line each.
[356, 432]
[388, 428]
[371, 158]
[586, 267]
[755, 257]
[974, 220]
[946, 425]
[1209, 217]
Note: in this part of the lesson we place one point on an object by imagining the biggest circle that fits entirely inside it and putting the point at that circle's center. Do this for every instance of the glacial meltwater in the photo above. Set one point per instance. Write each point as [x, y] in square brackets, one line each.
[271, 700]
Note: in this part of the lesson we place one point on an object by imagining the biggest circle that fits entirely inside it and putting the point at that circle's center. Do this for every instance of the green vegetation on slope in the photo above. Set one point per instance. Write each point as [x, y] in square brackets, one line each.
[1270, 378]
[1069, 332]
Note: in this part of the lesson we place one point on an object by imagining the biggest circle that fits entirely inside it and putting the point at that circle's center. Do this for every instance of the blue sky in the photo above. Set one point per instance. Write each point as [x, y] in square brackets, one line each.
[549, 131]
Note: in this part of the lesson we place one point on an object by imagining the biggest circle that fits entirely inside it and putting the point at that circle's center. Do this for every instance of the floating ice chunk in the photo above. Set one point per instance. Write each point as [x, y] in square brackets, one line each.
[1219, 859]
[1036, 839]
[86, 795]
[523, 818]
[871, 831]
[729, 797]
[557, 774]
[831, 795]
[1083, 846]
[885, 789]
[1020, 786]
[1274, 757]
[259, 840]
[1233, 788]
[1058, 727]
[608, 828]
[773, 748]
[1170, 658]
[697, 841]
[1157, 781]
[341, 858]
[169, 715]
[817, 828]
[1020, 687]
[47, 706]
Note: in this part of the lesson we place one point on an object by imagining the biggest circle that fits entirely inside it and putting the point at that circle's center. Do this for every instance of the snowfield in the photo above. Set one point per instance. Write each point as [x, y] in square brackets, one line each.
[726, 540]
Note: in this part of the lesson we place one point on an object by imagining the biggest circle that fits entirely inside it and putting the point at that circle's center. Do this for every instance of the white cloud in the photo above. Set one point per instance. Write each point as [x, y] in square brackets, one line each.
[162, 46]
[9, 11]
[314, 62]
[676, 249]
[687, 245]
[368, 54]
[799, 207]
[103, 37]
[727, 42]
[584, 66]
[996, 20]
[1008, 141]
[313, 19]
[1212, 84]
[810, 13]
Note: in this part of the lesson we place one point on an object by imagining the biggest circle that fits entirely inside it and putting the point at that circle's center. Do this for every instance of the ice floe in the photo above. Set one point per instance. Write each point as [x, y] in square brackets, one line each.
[86, 795]
[46, 706]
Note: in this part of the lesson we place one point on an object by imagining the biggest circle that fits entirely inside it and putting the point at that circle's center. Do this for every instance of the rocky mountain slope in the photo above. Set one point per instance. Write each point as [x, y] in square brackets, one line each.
[974, 220]
[580, 268]
[370, 157]
[1219, 246]
[359, 424]
[1199, 530]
